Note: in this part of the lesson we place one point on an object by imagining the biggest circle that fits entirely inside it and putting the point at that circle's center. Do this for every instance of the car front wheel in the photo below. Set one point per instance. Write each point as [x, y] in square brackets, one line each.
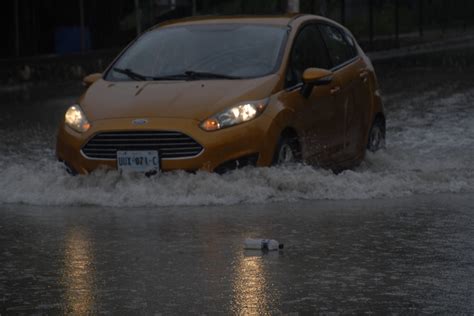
[287, 151]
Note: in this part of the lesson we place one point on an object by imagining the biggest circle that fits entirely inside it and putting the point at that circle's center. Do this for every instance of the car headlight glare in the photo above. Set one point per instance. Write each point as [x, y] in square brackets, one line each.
[238, 114]
[76, 119]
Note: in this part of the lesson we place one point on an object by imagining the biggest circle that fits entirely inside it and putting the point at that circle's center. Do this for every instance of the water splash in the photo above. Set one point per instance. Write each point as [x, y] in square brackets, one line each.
[430, 149]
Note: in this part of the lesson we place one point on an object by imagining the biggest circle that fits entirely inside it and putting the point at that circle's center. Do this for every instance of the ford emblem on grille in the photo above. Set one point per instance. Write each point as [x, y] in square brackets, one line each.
[139, 122]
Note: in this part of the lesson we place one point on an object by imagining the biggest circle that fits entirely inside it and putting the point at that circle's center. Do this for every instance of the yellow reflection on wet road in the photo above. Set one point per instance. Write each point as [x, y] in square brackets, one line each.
[78, 276]
[250, 290]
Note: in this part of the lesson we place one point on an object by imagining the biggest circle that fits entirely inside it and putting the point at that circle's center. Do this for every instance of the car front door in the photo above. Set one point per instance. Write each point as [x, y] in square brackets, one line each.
[319, 118]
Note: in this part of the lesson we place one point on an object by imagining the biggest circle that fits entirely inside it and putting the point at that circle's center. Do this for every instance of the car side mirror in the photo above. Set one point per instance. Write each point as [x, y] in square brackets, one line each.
[315, 77]
[90, 79]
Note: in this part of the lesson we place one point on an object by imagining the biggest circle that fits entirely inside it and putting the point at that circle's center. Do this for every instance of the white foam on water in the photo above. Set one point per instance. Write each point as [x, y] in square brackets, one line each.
[430, 149]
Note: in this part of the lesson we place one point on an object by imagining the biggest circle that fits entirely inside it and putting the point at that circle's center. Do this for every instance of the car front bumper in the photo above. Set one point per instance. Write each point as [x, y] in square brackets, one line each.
[219, 147]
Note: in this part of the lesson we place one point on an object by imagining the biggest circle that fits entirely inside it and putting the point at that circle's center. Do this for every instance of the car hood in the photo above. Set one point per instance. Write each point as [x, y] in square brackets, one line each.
[196, 99]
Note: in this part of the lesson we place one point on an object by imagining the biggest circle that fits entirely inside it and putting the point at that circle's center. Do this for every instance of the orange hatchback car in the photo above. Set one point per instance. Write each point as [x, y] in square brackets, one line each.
[226, 92]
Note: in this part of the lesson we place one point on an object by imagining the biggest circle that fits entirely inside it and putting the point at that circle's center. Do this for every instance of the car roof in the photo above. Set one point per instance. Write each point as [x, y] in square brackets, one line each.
[281, 20]
[291, 20]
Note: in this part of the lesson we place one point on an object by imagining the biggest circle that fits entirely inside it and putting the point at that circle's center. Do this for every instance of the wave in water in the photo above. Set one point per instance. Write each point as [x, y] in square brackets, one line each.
[430, 149]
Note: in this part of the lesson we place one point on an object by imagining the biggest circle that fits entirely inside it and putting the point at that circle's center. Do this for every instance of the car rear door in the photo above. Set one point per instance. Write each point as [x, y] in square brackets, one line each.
[359, 122]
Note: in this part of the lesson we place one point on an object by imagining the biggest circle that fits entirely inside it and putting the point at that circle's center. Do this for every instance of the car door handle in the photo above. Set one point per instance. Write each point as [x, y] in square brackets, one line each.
[335, 90]
[364, 74]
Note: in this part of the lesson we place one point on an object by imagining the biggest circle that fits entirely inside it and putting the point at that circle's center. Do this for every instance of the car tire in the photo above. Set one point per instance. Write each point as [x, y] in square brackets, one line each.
[287, 151]
[376, 139]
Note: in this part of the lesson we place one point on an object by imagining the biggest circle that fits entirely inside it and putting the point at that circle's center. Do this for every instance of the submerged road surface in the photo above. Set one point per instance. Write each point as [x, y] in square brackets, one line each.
[393, 235]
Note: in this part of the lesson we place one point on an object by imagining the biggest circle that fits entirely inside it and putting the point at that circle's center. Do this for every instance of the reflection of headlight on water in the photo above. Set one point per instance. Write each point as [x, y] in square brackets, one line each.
[78, 276]
[252, 294]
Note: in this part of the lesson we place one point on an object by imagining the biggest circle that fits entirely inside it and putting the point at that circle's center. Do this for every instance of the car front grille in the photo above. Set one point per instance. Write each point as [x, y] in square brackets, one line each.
[169, 144]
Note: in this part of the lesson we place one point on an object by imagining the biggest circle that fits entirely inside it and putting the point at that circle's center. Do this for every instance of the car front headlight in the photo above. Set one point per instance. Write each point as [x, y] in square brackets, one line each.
[238, 114]
[76, 119]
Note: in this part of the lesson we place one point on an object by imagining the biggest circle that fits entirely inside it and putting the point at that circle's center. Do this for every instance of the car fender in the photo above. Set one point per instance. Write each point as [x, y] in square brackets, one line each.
[280, 118]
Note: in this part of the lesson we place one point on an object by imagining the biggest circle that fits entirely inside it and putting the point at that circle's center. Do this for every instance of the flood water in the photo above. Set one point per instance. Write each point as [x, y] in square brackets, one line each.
[430, 149]
[395, 234]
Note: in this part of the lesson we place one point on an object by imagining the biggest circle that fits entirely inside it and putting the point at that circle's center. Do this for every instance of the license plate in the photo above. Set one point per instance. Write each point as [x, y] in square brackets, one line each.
[138, 161]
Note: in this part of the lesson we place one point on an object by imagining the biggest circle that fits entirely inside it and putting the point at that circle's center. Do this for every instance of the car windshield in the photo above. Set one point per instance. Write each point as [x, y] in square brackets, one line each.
[224, 51]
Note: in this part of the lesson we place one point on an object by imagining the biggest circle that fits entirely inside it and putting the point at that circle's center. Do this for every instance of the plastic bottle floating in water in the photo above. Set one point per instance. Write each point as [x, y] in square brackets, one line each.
[262, 244]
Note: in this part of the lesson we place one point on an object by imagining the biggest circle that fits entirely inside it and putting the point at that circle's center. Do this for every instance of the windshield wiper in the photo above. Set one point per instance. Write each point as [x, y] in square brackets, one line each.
[131, 74]
[204, 75]
[187, 75]
[171, 77]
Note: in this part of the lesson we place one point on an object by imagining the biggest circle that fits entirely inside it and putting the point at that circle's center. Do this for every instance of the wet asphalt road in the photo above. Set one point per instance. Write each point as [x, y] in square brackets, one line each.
[412, 255]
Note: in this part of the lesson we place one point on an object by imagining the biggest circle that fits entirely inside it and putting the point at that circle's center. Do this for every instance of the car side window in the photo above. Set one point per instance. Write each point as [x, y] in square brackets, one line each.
[350, 40]
[340, 50]
[308, 51]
